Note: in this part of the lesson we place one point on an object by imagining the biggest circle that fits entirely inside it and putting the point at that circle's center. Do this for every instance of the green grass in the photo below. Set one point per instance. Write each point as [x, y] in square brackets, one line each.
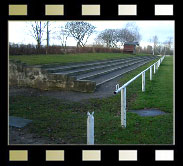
[68, 58]
[67, 121]
[159, 91]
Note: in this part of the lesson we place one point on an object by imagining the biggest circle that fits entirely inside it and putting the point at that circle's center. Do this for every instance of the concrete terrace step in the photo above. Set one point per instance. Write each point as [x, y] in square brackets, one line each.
[98, 73]
[86, 69]
[67, 67]
[112, 75]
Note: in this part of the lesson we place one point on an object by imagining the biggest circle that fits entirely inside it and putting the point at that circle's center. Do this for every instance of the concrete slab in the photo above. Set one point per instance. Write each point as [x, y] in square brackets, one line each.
[148, 112]
[18, 122]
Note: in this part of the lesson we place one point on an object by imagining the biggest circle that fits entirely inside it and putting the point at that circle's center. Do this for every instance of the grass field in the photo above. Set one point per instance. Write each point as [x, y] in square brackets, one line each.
[68, 58]
[67, 121]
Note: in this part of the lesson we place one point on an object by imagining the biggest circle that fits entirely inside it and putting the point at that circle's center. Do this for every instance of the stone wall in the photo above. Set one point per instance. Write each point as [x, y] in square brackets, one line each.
[21, 74]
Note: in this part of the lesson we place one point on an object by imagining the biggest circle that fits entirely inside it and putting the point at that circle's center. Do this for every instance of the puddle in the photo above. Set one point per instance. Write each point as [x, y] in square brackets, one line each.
[18, 122]
[148, 112]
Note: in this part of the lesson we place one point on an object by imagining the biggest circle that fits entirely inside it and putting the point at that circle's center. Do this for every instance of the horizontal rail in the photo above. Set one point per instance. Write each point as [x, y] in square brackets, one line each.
[134, 78]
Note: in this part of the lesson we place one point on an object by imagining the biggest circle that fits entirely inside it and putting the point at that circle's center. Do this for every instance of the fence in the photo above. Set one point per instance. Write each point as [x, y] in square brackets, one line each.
[123, 88]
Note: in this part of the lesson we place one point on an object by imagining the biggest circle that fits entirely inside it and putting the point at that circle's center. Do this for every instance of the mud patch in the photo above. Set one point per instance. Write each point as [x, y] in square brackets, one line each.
[22, 136]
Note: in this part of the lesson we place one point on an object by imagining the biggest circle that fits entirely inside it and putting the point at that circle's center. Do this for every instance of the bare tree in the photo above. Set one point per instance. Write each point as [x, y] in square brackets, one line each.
[47, 32]
[155, 42]
[168, 45]
[80, 31]
[62, 35]
[37, 31]
[109, 37]
[161, 48]
[112, 37]
[129, 34]
[48, 35]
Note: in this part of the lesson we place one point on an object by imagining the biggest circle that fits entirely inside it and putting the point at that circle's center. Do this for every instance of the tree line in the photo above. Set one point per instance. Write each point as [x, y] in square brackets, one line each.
[81, 32]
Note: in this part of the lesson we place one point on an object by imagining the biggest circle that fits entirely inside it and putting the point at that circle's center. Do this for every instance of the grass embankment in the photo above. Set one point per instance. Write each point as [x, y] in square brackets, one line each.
[66, 122]
[68, 58]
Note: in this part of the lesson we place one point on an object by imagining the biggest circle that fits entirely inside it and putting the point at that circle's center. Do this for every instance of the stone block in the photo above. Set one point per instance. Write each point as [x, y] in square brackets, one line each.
[23, 75]
[84, 86]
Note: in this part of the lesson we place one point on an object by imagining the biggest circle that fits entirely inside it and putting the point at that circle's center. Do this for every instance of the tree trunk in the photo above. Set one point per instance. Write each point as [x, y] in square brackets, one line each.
[47, 38]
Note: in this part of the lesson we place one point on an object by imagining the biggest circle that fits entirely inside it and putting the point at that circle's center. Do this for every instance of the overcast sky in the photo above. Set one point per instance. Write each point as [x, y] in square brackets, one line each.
[19, 31]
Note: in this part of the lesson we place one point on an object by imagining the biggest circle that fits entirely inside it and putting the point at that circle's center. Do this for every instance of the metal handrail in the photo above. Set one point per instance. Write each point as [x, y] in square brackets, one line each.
[123, 88]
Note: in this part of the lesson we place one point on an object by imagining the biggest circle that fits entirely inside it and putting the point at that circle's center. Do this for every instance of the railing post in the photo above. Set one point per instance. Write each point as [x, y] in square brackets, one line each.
[154, 68]
[151, 73]
[90, 129]
[123, 107]
[143, 81]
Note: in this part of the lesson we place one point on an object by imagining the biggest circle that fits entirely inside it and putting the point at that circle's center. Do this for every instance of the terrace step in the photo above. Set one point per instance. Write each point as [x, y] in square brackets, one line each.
[110, 76]
[86, 69]
[98, 73]
[67, 67]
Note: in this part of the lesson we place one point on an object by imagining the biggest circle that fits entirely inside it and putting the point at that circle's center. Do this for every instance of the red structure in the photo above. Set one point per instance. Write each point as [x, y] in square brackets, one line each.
[130, 47]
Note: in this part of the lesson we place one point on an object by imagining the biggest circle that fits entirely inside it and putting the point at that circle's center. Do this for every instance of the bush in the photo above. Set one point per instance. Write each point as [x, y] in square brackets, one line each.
[22, 49]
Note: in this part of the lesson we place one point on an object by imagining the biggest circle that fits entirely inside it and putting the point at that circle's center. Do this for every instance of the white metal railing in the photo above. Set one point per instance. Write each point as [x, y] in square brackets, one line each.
[123, 88]
[90, 129]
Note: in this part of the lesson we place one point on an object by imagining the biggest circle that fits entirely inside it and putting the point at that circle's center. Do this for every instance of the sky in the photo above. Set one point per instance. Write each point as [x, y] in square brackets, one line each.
[19, 31]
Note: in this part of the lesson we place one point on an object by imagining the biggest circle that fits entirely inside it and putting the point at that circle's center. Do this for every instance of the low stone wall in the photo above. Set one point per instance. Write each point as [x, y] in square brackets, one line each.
[21, 74]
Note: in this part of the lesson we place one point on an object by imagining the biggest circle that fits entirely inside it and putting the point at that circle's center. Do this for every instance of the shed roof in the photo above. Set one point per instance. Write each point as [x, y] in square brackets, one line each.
[131, 43]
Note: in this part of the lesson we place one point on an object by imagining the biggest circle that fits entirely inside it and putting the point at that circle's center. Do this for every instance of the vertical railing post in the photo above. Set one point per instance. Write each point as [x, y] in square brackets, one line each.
[123, 107]
[151, 73]
[154, 68]
[90, 129]
[143, 81]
